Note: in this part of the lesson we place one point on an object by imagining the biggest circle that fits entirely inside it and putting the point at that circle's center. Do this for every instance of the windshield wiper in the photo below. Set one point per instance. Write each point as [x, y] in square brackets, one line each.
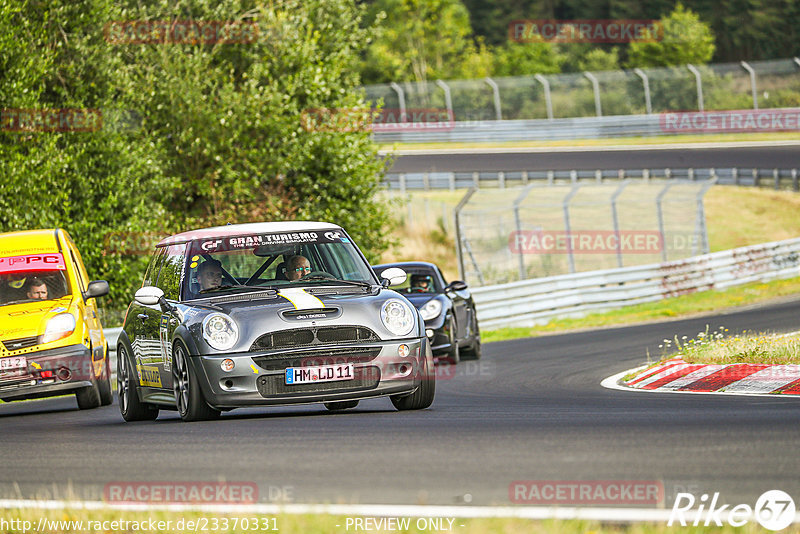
[322, 278]
[240, 286]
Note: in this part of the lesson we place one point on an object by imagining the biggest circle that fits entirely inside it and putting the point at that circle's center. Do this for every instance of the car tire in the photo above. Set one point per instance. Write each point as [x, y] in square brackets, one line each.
[474, 350]
[104, 385]
[189, 400]
[89, 397]
[131, 408]
[423, 396]
[341, 405]
[454, 354]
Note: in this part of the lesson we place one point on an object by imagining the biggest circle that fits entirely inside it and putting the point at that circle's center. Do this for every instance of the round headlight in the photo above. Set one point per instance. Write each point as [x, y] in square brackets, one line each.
[397, 317]
[220, 331]
[431, 309]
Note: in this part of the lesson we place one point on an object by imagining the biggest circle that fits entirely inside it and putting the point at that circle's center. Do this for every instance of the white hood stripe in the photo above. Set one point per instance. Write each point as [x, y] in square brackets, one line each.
[300, 299]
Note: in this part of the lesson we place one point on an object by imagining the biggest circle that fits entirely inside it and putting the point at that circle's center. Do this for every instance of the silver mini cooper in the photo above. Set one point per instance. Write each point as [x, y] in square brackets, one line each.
[268, 314]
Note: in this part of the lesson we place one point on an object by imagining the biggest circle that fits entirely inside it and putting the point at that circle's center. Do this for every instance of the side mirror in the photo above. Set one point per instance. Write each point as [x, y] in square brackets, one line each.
[148, 296]
[393, 276]
[456, 285]
[96, 288]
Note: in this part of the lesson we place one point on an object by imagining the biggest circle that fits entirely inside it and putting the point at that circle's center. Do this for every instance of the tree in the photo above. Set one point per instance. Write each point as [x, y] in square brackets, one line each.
[421, 40]
[686, 39]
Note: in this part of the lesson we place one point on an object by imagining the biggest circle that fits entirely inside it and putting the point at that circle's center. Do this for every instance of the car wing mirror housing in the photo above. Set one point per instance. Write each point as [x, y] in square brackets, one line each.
[96, 288]
[148, 295]
[457, 285]
[393, 276]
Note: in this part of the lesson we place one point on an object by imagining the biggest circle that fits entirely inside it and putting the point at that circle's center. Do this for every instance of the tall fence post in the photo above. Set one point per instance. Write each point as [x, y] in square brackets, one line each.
[548, 101]
[752, 74]
[401, 99]
[457, 221]
[448, 102]
[596, 87]
[699, 82]
[646, 83]
[615, 218]
[496, 94]
[701, 216]
[567, 227]
[518, 225]
[660, 215]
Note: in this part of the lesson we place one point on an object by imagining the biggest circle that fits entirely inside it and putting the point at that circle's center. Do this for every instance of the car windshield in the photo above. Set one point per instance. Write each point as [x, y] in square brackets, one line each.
[419, 280]
[32, 277]
[273, 261]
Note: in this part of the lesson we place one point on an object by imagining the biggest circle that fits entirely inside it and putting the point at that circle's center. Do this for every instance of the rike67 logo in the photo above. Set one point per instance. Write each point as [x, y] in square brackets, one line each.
[774, 510]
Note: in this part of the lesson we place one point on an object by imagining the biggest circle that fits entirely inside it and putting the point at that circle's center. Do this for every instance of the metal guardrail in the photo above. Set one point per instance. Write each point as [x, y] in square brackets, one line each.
[531, 302]
[426, 181]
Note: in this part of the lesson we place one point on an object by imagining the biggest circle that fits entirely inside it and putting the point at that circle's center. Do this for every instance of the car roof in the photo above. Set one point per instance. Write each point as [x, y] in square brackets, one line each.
[233, 230]
[29, 242]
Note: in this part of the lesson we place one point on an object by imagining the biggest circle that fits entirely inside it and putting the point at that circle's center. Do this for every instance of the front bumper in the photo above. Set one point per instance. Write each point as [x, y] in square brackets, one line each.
[49, 373]
[258, 378]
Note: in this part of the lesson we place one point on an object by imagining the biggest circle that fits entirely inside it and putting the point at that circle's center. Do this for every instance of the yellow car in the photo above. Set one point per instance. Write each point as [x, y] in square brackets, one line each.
[51, 340]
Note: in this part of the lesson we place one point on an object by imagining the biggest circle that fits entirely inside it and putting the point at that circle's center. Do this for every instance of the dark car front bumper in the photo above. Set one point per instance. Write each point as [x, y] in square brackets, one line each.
[258, 378]
[49, 373]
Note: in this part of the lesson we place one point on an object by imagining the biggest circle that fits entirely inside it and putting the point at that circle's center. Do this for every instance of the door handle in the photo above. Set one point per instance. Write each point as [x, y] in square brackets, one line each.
[142, 316]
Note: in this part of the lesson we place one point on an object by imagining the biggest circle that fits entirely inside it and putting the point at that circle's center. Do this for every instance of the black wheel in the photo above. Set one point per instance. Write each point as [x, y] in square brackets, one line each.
[104, 384]
[474, 350]
[188, 396]
[423, 396]
[341, 405]
[88, 397]
[131, 408]
[454, 354]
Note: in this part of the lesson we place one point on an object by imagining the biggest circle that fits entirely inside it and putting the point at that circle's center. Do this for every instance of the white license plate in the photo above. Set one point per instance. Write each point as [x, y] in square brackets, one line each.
[13, 363]
[321, 373]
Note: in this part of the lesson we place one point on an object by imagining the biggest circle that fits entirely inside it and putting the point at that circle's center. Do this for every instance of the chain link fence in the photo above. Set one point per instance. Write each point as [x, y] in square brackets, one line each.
[725, 86]
[519, 233]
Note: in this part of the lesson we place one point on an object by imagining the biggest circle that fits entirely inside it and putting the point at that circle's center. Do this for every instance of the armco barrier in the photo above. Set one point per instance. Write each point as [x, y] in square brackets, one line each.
[531, 302]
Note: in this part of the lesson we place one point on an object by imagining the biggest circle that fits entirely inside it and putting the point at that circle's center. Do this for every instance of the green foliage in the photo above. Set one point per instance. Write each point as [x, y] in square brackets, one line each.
[221, 135]
[686, 39]
[517, 59]
[421, 40]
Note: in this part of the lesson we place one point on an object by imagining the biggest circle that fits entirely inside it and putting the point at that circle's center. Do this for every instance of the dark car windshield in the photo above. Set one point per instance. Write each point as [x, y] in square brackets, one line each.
[419, 280]
[273, 261]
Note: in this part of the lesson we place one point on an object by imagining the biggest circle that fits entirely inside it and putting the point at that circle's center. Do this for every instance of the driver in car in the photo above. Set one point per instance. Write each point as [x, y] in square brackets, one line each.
[297, 267]
[209, 274]
[420, 283]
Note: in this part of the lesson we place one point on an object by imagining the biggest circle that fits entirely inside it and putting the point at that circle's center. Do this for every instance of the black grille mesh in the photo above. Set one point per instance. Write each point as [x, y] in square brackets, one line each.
[299, 337]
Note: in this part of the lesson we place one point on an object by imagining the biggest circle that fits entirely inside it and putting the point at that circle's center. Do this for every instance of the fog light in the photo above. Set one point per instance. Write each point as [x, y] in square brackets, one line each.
[227, 365]
[429, 333]
[403, 351]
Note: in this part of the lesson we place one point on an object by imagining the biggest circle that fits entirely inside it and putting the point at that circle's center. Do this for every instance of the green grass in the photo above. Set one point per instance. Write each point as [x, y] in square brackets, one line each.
[683, 306]
[324, 523]
[720, 348]
[660, 140]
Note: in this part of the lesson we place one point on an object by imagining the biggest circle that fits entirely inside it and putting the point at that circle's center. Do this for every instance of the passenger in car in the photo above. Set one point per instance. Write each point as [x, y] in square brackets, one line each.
[209, 274]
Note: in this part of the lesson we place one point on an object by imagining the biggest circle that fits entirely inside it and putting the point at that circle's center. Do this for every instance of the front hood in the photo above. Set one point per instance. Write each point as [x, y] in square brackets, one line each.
[294, 310]
[29, 319]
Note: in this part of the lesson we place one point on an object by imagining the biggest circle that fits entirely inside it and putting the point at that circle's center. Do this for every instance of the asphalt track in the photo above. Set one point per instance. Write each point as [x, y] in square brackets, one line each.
[766, 157]
[531, 409]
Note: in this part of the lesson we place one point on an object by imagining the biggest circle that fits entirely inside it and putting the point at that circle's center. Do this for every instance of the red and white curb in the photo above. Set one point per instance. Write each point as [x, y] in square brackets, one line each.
[677, 376]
